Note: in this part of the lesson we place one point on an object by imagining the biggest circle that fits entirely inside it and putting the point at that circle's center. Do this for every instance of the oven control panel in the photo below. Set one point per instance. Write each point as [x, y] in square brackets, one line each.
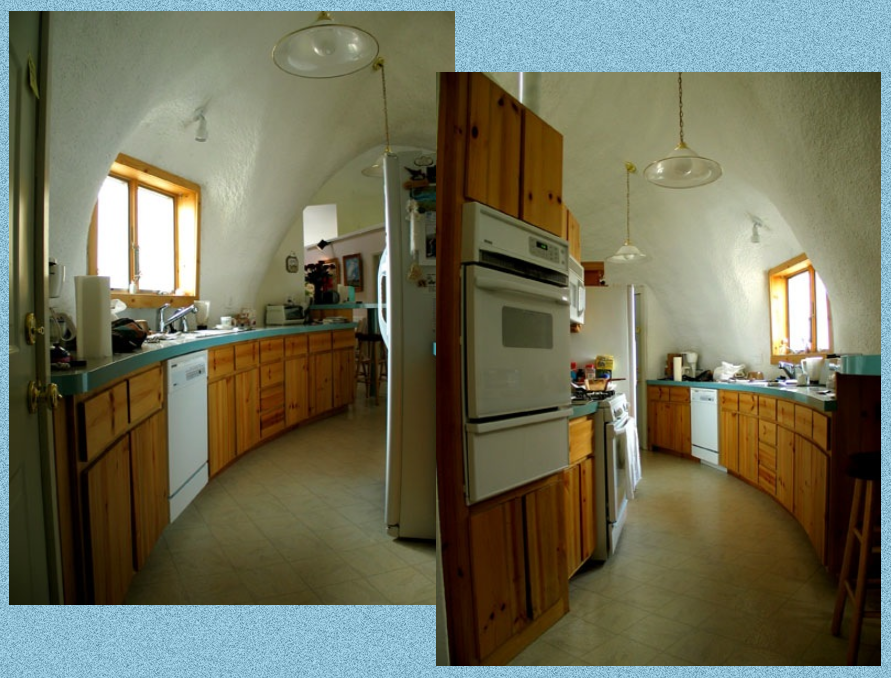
[548, 251]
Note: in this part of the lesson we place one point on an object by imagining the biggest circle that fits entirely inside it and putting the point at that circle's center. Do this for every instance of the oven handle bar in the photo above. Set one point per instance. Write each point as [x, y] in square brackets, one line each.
[515, 422]
[558, 295]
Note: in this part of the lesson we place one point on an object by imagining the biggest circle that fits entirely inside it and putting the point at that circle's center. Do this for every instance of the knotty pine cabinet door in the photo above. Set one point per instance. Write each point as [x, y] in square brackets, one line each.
[811, 469]
[109, 532]
[748, 448]
[247, 410]
[728, 441]
[344, 377]
[321, 396]
[296, 391]
[148, 465]
[221, 414]
[542, 175]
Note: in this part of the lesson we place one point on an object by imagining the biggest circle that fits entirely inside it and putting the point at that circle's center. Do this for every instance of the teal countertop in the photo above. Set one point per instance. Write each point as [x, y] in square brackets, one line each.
[103, 371]
[583, 410]
[808, 395]
[868, 365]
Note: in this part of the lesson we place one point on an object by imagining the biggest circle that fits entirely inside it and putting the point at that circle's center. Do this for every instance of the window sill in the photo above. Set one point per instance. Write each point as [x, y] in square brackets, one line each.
[151, 300]
[794, 357]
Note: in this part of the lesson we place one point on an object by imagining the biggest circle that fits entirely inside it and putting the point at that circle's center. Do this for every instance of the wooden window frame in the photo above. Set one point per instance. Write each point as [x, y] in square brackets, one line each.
[778, 278]
[187, 206]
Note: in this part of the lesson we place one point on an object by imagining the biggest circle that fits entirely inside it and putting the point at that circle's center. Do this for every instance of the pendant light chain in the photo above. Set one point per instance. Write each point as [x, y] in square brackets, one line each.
[627, 205]
[681, 107]
[379, 65]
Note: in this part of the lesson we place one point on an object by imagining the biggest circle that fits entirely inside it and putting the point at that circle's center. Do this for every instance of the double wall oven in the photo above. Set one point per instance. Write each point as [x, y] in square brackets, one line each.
[515, 314]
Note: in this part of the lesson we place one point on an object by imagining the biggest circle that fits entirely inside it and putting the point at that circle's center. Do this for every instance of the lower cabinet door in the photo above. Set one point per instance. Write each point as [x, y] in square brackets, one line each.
[148, 467]
[247, 410]
[785, 467]
[729, 440]
[321, 389]
[545, 549]
[573, 510]
[107, 488]
[588, 507]
[748, 448]
[296, 393]
[221, 423]
[344, 377]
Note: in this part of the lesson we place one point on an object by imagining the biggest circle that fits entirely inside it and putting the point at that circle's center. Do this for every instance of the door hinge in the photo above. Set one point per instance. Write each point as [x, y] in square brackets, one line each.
[31, 329]
[38, 394]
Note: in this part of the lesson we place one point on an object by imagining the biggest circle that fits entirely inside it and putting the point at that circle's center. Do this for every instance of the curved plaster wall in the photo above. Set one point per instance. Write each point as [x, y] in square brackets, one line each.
[131, 81]
[799, 151]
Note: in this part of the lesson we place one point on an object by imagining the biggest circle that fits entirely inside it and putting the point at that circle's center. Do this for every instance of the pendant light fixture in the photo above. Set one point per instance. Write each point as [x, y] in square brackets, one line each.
[377, 169]
[683, 167]
[627, 253]
[325, 49]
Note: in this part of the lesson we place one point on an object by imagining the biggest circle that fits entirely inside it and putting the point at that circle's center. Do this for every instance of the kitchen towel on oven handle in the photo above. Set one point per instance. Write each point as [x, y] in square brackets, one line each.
[632, 475]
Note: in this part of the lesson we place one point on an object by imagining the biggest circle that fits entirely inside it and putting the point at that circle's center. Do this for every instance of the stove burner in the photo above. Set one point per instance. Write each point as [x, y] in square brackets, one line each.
[580, 396]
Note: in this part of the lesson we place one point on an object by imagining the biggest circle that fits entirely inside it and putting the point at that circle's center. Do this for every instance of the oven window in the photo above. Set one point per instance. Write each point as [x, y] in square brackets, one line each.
[522, 328]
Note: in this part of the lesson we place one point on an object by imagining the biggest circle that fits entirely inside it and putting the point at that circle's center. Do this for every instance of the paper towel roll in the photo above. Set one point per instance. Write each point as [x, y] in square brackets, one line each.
[93, 298]
[677, 369]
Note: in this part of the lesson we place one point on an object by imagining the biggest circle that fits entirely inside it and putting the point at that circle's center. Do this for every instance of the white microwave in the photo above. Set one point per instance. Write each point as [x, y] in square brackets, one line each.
[284, 314]
[576, 292]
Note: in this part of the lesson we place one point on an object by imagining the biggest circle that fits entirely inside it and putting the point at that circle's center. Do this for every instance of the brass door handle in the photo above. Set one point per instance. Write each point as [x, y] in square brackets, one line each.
[38, 394]
[31, 329]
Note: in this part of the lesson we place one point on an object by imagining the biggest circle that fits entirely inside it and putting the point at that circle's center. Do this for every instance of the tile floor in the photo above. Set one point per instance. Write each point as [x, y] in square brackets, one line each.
[298, 521]
[710, 572]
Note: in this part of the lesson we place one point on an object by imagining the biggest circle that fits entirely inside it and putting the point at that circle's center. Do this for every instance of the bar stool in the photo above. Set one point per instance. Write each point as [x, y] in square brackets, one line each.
[368, 362]
[865, 469]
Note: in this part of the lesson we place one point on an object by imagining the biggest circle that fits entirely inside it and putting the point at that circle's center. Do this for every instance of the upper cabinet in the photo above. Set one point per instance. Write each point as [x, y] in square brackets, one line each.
[514, 159]
[573, 232]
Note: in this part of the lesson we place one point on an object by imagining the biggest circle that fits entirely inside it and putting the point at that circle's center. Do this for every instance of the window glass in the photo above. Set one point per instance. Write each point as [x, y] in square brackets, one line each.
[822, 308]
[113, 243]
[155, 237]
[799, 291]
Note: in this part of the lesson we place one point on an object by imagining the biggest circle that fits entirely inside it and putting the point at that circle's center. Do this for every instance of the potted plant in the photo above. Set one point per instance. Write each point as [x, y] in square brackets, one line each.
[319, 276]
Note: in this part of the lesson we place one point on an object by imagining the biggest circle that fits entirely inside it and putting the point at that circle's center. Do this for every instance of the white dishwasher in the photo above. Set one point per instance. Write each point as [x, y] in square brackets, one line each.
[186, 428]
[704, 426]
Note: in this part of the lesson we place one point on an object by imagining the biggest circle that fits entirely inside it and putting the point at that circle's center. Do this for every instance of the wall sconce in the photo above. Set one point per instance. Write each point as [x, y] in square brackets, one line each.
[756, 224]
[201, 132]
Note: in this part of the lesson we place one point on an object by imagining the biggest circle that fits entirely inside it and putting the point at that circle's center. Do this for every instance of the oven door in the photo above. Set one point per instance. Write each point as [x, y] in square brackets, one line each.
[516, 343]
[616, 471]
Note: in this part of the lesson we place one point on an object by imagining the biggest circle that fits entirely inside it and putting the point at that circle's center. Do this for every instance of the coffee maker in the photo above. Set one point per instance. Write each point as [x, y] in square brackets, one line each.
[689, 364]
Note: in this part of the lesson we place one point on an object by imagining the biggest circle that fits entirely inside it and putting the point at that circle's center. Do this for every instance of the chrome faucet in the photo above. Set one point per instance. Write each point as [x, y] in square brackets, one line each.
[164, 324]
[788, 368]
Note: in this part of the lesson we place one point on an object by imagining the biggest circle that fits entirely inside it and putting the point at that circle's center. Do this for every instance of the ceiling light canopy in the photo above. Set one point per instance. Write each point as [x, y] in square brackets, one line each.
[627, 253]
[325, 49]
[683, 167]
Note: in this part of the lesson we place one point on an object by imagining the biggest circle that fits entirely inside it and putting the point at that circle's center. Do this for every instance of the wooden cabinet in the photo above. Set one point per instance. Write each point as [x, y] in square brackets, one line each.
[321, 392]
[296, 392]
[738, 434]
[108, 528]
[149, 482]
[514, 159]
[573, 232]
[105, 418]
[494, 145]
[343, 375]
[272, 387]
[668, 419]
[247, 409]
[785, 469]
[518, 571]
[145, 393]
[728, 440]
[542, 175]
[811, 467]
[580, 512]
[748, 447]
[221, 423]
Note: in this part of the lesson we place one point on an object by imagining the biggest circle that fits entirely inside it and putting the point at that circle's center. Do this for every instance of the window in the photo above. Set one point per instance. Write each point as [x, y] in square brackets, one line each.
[145, 229]
[800, 319]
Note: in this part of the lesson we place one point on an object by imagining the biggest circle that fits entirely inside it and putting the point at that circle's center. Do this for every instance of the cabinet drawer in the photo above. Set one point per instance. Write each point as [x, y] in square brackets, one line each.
[821, 430]
[105, 419]
[767, 432]
[729, 400]
[272, 350]
[804, 421]
[271, 422]
[344, 339]
[767, 456]
[272, 398]
[146, 393]
[581, 438]
[273, 373]
[654, 393]
[296, 345]
[246, 355]
[767, 408]
[319, 342]
[220, 361]
[679, 394]
[786, 414]
[767, 478]
[748, 403]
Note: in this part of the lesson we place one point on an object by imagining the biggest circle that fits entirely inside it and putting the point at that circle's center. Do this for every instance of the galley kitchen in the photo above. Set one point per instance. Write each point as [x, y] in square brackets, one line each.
[657, 372]
[259, 426]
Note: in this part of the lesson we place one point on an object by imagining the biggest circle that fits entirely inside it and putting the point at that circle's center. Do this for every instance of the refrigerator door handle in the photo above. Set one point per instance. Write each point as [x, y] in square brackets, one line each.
[382, 320]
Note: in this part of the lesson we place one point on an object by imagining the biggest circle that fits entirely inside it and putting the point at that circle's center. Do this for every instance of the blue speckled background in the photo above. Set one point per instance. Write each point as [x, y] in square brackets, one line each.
[382, 641]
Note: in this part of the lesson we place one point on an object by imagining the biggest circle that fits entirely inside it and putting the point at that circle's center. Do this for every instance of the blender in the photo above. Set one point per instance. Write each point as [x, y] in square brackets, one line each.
[690, 359]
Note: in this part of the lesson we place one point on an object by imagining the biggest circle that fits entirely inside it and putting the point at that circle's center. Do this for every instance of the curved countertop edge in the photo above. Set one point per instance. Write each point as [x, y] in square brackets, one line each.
[102, 371]
[822, 403]
[583, 410]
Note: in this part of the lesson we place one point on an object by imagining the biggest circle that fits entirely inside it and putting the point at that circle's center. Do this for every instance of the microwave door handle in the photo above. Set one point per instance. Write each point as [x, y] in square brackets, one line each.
[556, 294]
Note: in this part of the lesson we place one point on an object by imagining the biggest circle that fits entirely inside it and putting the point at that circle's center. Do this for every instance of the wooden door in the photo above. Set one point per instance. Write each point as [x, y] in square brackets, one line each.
[296, 395]
[748, 448]
[572, 507]
[110, 539]
[729, 440]
[247, 410]
[497, 575]
[149, 478]
[785, 467]
[221, 426]
[344, 377]
[321, 390]
[493, 147]
[545, 549]
[542, 177]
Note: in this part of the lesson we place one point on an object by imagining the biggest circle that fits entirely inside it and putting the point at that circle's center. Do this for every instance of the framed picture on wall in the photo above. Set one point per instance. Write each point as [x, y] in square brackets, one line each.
[352, 271]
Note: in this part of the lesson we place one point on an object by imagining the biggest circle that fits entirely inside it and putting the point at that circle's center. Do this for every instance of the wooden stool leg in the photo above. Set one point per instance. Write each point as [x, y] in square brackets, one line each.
[842, 596]
[860, 594]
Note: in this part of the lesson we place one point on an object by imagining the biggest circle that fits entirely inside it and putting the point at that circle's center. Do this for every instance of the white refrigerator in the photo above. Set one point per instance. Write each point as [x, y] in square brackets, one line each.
[407, 316]
[609, 330]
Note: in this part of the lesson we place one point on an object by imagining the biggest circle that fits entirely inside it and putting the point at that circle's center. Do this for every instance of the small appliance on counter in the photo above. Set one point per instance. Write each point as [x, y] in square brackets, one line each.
[285, 314]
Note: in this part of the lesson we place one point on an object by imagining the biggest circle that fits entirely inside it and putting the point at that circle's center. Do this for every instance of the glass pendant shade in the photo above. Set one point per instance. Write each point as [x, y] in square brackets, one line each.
[682, 168]
[627, 253]
[377, 169]
[325, 49]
